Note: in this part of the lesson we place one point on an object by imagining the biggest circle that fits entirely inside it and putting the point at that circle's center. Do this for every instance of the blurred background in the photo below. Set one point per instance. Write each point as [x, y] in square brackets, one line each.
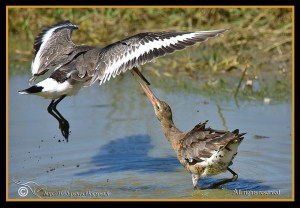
[260, 40]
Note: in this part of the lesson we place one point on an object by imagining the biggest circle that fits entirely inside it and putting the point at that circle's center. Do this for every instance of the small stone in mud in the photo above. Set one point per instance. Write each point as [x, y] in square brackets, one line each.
[249, 83]
[59, 140]
[77, 166]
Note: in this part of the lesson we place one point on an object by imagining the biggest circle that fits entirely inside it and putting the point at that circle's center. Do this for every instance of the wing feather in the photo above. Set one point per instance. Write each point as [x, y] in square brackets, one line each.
[53, 46]
[142, 48]
[201, 142]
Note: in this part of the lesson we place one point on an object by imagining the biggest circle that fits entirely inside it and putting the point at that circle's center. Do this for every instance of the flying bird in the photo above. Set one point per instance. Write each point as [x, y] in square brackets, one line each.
[203, 151]
[75, 66]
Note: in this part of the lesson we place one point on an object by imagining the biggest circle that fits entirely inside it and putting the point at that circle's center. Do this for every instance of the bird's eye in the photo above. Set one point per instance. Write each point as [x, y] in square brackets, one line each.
[157, 107]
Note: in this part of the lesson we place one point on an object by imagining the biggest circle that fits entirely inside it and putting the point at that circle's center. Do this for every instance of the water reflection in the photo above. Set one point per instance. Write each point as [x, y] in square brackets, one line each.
[129, 153]
[248, 184]
[115, 136]
[242, 184]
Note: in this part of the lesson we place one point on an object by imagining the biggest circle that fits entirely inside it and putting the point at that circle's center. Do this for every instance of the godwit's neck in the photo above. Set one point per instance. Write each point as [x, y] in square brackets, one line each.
[172, 133]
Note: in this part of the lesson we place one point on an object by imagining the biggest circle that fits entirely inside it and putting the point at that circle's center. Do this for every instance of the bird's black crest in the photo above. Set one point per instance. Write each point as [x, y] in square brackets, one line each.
[33, 89]
[39, 39]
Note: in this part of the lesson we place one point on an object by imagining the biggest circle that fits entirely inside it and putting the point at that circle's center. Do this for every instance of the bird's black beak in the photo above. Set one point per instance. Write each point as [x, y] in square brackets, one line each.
[153, 99]
[137, 71]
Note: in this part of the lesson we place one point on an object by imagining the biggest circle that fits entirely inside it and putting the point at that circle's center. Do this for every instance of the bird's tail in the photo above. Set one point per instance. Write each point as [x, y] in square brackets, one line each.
[31, 90]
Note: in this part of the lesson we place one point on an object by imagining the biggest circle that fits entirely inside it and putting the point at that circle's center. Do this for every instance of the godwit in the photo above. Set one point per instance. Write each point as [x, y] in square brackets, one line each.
[76, 66]
[202, 151]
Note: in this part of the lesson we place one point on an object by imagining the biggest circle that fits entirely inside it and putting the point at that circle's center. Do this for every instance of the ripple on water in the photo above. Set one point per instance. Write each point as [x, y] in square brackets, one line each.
[117, 145]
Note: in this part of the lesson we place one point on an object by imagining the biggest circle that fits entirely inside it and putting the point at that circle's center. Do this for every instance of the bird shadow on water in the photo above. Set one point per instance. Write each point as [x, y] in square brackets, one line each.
[130, 154]
[241, 184]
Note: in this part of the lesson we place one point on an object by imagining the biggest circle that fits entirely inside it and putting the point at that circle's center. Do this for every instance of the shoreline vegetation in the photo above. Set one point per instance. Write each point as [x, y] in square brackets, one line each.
[252, 61]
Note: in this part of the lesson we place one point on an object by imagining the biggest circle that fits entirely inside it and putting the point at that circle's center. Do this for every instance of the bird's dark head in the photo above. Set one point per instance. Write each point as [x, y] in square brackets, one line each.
[162, 110]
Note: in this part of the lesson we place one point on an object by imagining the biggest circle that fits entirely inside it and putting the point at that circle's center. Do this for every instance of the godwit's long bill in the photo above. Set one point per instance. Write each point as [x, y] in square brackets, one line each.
[202, 151]
[76, 66]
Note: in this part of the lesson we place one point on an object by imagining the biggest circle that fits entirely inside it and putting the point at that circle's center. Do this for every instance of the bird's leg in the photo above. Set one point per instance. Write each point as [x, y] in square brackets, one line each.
[63, 123]
[235, 175]
[234, 178]
[195, 179]
[140, 74]
[50, 110]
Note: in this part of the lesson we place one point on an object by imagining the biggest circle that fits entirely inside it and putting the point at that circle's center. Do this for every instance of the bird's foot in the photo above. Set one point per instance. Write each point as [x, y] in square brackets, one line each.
[234, 178]
[64, 127]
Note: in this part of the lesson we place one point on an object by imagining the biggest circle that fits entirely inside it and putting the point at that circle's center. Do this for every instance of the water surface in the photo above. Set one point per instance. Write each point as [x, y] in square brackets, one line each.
[117, 149]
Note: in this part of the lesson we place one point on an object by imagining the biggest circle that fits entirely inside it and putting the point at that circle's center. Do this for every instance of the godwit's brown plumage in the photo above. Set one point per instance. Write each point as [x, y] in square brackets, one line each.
[203, 151]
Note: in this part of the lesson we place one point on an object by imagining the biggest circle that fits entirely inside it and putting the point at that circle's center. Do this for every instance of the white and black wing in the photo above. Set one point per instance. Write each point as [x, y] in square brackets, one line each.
[142, 48]
[53, 46]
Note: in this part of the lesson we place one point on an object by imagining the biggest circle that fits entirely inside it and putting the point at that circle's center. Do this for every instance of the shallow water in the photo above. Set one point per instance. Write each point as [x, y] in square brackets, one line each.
[117, 149]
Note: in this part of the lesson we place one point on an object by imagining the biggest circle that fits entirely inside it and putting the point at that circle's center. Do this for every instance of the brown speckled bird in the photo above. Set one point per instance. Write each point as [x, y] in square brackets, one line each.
[203, 151]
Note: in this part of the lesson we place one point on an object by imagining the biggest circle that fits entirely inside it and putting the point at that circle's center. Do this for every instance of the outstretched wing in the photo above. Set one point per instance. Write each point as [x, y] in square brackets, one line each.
[142, 48]
[52, 47]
